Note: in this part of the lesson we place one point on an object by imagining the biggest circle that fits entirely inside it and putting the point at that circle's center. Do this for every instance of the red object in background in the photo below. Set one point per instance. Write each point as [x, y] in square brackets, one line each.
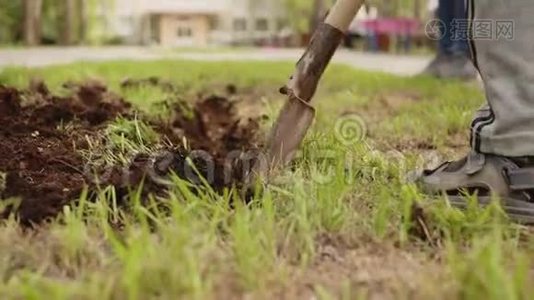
[392, 26]
[383, 29]
[383, 42]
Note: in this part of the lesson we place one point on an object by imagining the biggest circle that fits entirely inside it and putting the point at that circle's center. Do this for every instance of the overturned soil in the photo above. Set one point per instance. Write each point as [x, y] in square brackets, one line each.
[43, 135]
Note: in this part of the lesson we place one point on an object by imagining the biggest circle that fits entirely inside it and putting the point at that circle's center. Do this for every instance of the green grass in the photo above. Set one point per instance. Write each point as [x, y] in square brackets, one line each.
[336, 225]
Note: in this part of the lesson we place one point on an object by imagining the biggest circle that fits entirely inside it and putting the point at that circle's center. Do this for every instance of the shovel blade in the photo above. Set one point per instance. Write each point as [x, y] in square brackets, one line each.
[294, 121]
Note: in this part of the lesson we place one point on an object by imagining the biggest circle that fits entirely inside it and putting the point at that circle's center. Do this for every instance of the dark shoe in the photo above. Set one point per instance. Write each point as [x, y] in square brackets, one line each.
[458, 66]
[485, 176]
[451, 66]
[433, 68]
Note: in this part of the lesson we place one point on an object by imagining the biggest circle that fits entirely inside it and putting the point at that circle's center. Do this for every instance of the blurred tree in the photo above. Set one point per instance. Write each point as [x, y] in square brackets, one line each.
[299, 12]
[83, 12]
[304, 15]
[51, 24]
[80, 21]
[32, 10]
[10, 21]
[54, 21]
[69, 32]
[95, 26]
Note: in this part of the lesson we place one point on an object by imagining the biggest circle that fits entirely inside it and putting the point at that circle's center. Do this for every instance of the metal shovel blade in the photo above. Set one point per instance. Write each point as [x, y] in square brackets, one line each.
[291, 127]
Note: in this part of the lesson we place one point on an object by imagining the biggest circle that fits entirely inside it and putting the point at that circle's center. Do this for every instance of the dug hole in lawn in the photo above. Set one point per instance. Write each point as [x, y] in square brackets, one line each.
[44, 135]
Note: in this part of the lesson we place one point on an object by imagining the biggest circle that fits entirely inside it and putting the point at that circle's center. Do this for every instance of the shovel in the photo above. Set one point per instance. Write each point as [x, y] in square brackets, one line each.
[298, 113]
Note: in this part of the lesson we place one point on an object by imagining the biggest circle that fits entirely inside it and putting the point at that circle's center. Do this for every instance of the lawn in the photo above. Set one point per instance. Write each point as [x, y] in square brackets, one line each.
[342, 222]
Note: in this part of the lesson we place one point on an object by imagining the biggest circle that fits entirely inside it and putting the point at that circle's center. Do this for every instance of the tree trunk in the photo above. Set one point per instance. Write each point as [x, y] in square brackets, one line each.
[32, 21]
[68, 34]
[83, 14]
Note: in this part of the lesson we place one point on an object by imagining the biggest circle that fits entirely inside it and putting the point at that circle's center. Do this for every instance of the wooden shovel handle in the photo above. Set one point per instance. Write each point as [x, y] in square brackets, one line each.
[323, 45]
[342, 14]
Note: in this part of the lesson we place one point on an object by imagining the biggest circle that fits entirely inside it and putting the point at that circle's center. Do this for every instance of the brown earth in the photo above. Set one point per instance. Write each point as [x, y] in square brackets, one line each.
[221, 137]
[40, 161]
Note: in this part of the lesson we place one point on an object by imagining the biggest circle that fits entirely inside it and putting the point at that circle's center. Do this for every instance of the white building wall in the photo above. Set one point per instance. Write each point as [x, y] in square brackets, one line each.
[251, 12]
[128, 17]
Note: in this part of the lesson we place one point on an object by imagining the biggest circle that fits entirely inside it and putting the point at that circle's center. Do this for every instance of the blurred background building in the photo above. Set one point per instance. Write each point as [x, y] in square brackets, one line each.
[383, 25]
[186, 23]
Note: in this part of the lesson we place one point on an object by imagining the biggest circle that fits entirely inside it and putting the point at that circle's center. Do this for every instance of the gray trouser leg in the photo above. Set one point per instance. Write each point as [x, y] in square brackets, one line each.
[506, 63]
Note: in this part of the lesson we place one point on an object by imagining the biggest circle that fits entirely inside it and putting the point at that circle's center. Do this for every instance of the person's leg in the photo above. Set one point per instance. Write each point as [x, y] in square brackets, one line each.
[452, 60]
[506, 64]
[459, 40]
[458, 64]
[503, 132]
[445, 14]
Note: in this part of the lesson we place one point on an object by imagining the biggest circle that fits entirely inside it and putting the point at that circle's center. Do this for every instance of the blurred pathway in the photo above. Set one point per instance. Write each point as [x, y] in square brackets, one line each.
[37, 57]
